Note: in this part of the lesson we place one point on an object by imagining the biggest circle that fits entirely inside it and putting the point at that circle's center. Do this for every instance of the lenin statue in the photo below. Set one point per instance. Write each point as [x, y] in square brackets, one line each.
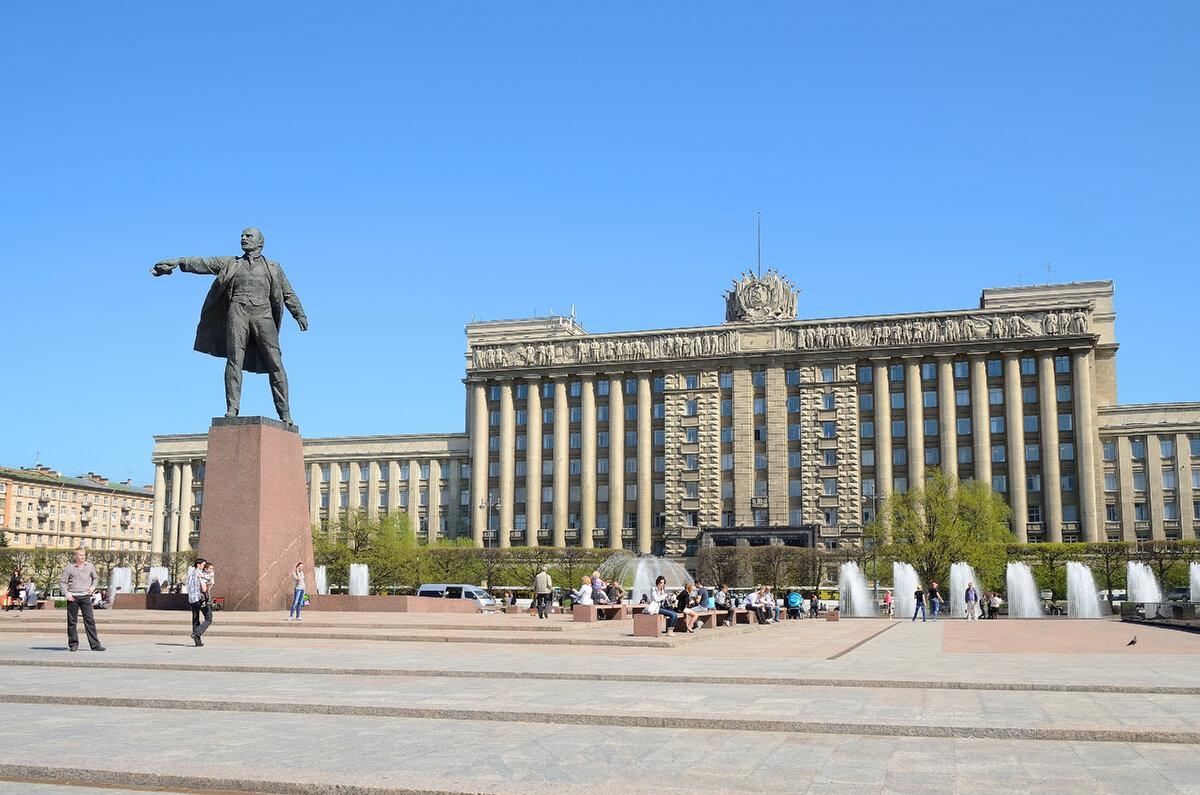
[241, 316]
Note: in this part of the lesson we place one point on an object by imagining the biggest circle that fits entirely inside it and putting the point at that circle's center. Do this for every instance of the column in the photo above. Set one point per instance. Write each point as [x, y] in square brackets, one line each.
[185, 508]
[1014, 427]
[1126, 494]
[947, 416]
[533, 461]
[414, 495]
[373, 489]
[454, 509]
[1087, 443]
[743, 447]
[508, 444]
[1051, 480]
[335, 485]
[353, 487]
[981, 429]
[616, 460]
[915, 419]
[479, 462]
[394, 485]
[883, 429]
[562, 438]
[176, 514]
[1154, 486]
[587, 485]
[160, 505]
[1187, 523]
[314, 494]
[645, 504]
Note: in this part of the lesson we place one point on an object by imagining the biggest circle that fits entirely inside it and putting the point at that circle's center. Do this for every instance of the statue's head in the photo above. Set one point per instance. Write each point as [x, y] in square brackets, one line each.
[251, 239]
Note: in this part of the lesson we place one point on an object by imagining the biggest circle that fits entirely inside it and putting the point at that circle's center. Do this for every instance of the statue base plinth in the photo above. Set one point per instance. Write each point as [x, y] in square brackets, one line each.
[254, 522]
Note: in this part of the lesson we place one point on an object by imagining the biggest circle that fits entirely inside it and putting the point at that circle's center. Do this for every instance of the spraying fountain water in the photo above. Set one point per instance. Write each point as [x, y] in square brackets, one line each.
[853, 597]
[1142, 587]
[1083, 600]
[1023, 599]
[319, 579]
[161, 574]
[1194, 582]
[960, 575]
[358, 579]
[904, 585]
[121, 577]
[637, 574]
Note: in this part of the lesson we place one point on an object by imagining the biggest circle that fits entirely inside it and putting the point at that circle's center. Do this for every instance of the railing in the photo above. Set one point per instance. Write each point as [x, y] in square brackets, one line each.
[1175, 614]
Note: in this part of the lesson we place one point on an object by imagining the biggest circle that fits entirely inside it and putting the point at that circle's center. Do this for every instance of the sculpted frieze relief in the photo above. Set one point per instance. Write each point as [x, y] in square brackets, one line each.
[817, 336]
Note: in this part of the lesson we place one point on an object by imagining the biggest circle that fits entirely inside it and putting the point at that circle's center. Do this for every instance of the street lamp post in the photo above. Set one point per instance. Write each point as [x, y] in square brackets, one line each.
[491, 504]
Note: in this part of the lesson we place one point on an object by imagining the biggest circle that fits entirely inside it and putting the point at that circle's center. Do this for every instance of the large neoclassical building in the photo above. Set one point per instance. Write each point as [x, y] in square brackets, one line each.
[765, 428]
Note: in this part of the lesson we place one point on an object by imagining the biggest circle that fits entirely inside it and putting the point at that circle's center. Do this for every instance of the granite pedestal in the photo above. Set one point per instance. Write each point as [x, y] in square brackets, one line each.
[254, 521]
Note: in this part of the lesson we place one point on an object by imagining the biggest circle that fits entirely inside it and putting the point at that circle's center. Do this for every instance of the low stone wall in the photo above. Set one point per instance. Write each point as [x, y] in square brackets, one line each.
[387, 604]
[150, 601]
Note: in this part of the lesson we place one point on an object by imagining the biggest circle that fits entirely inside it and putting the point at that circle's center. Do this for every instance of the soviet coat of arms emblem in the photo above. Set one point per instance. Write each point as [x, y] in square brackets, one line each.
[757, 298]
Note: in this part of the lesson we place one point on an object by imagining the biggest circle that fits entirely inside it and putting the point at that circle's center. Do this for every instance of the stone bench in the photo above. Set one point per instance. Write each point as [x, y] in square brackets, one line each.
[589, 613]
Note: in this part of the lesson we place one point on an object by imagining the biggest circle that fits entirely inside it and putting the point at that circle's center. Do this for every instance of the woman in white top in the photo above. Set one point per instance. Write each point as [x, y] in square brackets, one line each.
[662, 598]
[298, 592]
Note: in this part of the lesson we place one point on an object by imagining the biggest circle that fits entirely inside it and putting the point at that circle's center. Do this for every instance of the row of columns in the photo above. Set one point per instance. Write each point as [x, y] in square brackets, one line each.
[501, 500]
[172, 535]
[1085, 431]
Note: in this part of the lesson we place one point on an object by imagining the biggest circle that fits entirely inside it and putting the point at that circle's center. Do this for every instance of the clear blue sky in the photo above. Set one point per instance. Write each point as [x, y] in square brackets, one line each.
[416, 165]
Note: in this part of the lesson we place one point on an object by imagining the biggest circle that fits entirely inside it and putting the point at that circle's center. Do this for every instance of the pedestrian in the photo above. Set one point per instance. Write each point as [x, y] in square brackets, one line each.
[155, 586]
[199, 599]
[14, 592]
[78, 582]
[919, 596]
[887, 603]
[660, 602]
[542, 589]
[935, 599]
[723, 601]
[31, 594]
[972, 600]
[994, 605]
[297, 591]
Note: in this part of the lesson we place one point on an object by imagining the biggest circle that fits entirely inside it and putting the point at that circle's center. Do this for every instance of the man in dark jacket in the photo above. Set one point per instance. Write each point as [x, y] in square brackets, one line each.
[241, 317]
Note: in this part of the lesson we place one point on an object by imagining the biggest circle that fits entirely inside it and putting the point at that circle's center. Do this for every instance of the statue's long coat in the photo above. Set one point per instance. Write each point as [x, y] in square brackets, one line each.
[210, 332]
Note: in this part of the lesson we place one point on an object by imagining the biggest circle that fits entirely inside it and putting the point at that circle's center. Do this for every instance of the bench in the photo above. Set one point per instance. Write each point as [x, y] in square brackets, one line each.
[589, 613]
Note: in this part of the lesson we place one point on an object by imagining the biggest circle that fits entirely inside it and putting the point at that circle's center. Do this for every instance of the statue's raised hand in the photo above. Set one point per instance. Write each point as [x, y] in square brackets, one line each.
[165, 267]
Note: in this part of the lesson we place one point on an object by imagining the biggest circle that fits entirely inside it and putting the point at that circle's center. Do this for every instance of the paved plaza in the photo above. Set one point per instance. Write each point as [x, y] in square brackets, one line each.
[507, 703]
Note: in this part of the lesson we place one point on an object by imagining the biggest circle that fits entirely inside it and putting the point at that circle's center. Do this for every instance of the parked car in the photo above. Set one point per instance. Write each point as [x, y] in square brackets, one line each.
[1180, 594]
[482, 598]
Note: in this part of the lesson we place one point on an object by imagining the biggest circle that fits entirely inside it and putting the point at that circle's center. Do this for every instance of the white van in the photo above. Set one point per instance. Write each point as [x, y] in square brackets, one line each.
[483, 599]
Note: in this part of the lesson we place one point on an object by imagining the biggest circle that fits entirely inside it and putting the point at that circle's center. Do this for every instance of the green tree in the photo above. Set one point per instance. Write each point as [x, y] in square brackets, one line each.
[944, 521]
[724, 566]
[774, 565]
[1165, 559]
[1048, 563]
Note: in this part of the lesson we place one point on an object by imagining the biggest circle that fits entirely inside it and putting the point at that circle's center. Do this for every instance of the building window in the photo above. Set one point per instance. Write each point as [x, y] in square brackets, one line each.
[1110, 481]
[865, 375]
[868, 457]
[660, 463]
[1032, 452]
[997, 454]
[794, 488]
[691, 435]
[1063, 392]
[548, 390]
[1139, 481]
[1166, 448]
[726, 461]
[827, 374]
[1035, 513]
[758, 378]
[996, 396]
[830, 516]
[931, 427]
[760, 433]
[1068, 481]
[1066, 451]
[900, 457]
[791, 377]
[691, 490]
[658, 411]
[1070, 513]
[1033, 482]
[993, 368]
[760, 488]
[899, 428]
[1064, 422]
[659, 436]
[1139, 512]
[1028, 365]
[962, 397]
[602, 466]
[726, 433]
[691, 408]
[1062, 364]
[760, 405]
[793, 432]
[868, 430]
[602, 413]
[760, 460]
[1168, 478]
[932, 457]
[726, 408]
[827, 401]
[1031, 423]
[1110, 513]
[896, 373]
[900, 485]
[829, 487]
[494, 393]
[1000, 483]
[965, 455]
[963, 425]
[1137, 447]
[631, 412]
[631, 438]
[996, 424]
[576, 441]
[1029, 394]
[897, 400]
[691, 382]
[866, 401]
[493, 418]
[929, 399]
[548, 441]
[690, 462]
[574, 414]
[574, 467]
[794, 459]
[829, 458]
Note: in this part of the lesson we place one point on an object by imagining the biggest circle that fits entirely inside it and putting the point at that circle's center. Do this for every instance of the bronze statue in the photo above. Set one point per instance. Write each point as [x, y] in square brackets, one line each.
[245, 305]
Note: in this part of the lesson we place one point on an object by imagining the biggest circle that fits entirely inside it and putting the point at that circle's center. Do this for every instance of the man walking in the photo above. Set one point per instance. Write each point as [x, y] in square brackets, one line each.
[241, 316]
[198, 599]
[935, 599]
[79, 582]
[919, 596]
[542, 588]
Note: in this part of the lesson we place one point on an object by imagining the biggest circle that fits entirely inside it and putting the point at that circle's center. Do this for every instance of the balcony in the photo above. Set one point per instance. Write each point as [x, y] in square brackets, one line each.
[759, 502]
[629, 533]
[43, 498]
[126, 520]
[85, 517]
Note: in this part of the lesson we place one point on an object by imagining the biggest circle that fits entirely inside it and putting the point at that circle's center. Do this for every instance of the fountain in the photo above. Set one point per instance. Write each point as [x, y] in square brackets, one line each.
[1023, 599]
[960, 575]
[121, 577]
[854, 599]
[162, 575]
[637, 574]
[322, 585]
[1083, 599]
[904, 585]
[1194, 582]
[1141, 585]
[358, 579]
